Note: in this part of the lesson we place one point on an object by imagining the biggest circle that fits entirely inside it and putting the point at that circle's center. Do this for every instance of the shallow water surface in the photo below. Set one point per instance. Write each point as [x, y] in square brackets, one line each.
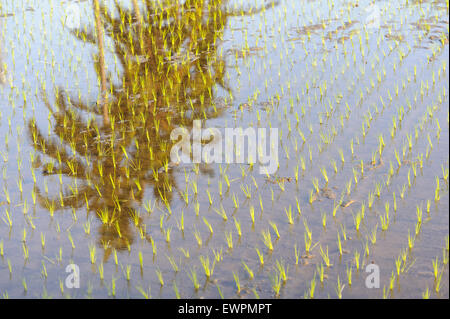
[89, 97]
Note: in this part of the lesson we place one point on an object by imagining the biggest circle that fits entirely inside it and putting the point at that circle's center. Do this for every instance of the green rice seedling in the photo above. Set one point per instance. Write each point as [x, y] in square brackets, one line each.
[312, 287]
[409, 178]
[87, 227]
[237, 224]
[437, 286]
[323, 170]
[385, 292]
[276, 282]
[154, 248]
[8, 220]
[339, 244]
[289, 215]
[447, 243]
[311, 196]
[394, 202]
[333, 162]
[229, 239]
[149, 207]
[260, 256]
[356, 259]
[101, 271]
[237, 282]
[349, 187]
[349, 275]
[61, 287]
[339, 288]
[282, 270]
[181, 225]
[267, 239]
[222, 213]
[9, 267]
[419, 214]
[128, 272]
[445, 257]
[275, 228]
[321, 272]
[355, 177]
[2, 252]
[366, 248]
[335, 208]
[219, 291]
[315, 182]
[167, 233]
[437, 197]
[411, 240]
[414, 169]
[384, 221]
[247, 191]
[207, 266]
[144, 293]
[249, 271]
[344, 232]
[341, 153]
[218, 254]
[324, 220]
[445, 173]
[207, 225]
[435, 267]
[357, 221]
[141, 260]
[236, 204]
[351, 147]
[24, 284]
[193, 276]
[42, 242]
[175, 289]
[392, 281]
[325, 256]
[113, 286]
[307, 230]
[391, 169]
[402, 192]
[92, 250]
[160, 277]
[70, 239]
[398, 265]
[298, 206]
[44, 270]
[373, 237]
[173, 263]
[210, 199]
[296, 254]
[302, 163]
[252, 214]
[198, 237]
[255, 293]
[378, 188]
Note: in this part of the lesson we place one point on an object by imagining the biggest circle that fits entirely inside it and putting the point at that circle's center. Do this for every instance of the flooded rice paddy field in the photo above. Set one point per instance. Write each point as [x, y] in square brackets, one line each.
[91, 91]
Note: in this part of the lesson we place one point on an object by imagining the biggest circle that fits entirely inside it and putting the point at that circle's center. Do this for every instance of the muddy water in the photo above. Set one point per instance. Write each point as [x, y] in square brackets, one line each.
[330, 78]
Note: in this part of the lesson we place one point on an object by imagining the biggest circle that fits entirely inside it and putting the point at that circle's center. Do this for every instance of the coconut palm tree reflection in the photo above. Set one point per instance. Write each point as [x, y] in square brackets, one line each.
[171, 66]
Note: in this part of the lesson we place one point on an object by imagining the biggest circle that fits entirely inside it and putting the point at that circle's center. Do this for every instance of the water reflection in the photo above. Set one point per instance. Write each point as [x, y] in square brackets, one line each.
[171, 66]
